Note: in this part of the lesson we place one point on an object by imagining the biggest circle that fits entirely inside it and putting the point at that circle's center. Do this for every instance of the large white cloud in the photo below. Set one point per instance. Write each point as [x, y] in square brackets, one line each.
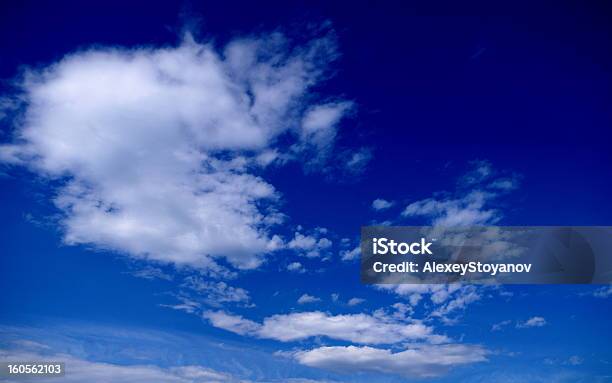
[158, 150]
[357, 328]
[416, 362]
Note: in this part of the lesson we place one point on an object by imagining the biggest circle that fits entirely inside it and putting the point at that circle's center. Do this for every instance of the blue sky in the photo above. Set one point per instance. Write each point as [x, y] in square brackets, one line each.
[183, 186]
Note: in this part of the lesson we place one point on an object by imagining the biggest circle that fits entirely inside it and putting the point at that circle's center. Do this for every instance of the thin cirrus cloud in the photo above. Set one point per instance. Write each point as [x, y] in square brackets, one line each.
[159, 151]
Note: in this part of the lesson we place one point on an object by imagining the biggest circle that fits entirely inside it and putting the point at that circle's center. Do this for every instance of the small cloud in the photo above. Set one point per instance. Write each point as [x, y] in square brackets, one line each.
[355, 301]
[187, 305]
[357, 161]
[335, 297]
[305, 299]
[575, 360]
[296, 267]
[414, 299]
[309, 246]
[479, 171]
[603, 292]
[532, 322]
[381, 204]
[151, 273]
[216, 293]
[349, 255]
[499, 326]
[505, 184]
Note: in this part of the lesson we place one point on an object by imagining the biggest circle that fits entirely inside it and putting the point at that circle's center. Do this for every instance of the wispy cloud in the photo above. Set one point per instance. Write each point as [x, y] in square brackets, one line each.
[603, 292]
[355, 301]
[470, 204]
[532, 322]
[350, 255]
[500, 325]
[305, 299]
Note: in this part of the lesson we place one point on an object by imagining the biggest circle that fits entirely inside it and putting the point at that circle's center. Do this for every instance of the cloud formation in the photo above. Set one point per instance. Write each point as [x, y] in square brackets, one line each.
[310, 246]
[158, 152]
[350, 255]
[415, 362]
[296, 267]
[471, 204]
[532, 322]
[305, 299]
[381, 204]
[356, 328]
[216, 293]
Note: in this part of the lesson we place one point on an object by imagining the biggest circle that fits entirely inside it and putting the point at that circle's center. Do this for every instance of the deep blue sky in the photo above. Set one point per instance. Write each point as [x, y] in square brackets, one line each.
[438, 88]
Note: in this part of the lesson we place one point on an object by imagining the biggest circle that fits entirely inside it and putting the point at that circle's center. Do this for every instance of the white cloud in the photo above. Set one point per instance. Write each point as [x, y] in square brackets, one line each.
[438, 293]
[419, 361]
[603, 292]
[296, 267]
[447, 299]
[506, 184]
[305, 299]
[318, 130]
[415, 298]
[186, 304]
[381, 204]
[151, 273]
[532, 322]
[355, 162]
[479, 172]
[500, 325]
[464, 296]
[216, 293]
[466, 210]
[310, 246]
[349, 255]
[233, 323]
[402, 311]
[355, 301]
[356, 328]
[471, 204]
[154, 147]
